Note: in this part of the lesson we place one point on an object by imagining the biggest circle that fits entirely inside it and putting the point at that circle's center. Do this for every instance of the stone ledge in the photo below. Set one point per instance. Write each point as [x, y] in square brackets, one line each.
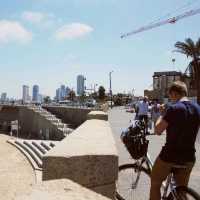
[88, 156]
[106, 190]
[97, 115]
[60, 190]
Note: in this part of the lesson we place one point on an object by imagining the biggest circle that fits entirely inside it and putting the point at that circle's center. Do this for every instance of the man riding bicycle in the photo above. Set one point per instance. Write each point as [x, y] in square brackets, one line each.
[181, 121]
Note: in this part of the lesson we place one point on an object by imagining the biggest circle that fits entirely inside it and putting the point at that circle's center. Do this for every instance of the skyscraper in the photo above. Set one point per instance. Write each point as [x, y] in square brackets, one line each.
[67, 90]
[35, 93]
[62, 92]
[25, 93]
[80, 84]
[3, 96]
[58, 94]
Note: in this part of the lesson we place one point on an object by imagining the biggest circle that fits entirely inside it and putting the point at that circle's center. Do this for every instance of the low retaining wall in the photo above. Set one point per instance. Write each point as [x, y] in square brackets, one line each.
[69, 115]
[87, 157]
[32, 123]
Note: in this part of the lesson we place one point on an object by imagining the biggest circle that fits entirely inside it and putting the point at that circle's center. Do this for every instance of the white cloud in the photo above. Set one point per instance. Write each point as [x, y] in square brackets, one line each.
[37, 17]
[34, 17]
[72, 31]
[13, 31]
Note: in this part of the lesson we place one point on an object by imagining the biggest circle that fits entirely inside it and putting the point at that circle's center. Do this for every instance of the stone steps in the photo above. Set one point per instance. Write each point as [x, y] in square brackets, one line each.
[54, 120]
[30, 152]
[34, 149]
[40, 148]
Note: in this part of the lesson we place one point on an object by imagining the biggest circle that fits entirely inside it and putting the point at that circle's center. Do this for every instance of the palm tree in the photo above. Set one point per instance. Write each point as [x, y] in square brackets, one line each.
[192, 50]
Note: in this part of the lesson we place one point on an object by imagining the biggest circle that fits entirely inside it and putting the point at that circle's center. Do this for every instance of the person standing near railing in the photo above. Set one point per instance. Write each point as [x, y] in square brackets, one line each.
[155, 112]
[142, 109]
[181, 120]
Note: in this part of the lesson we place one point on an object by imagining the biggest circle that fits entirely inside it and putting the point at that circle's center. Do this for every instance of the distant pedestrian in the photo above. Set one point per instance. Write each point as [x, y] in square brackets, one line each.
[155, 112]
[143, 108]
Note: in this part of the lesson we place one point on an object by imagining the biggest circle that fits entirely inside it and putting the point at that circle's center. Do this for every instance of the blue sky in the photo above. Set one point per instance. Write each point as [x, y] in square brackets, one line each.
[48, 42]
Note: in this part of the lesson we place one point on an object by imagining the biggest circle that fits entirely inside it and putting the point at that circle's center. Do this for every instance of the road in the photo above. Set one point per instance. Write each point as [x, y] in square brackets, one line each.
[120, 119]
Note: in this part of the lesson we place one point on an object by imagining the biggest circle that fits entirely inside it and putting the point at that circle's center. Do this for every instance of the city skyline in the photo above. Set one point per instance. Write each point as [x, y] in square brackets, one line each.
[50, 43]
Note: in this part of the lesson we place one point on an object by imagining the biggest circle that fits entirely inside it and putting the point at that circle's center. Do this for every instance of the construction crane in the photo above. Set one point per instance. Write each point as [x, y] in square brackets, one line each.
[167, 21]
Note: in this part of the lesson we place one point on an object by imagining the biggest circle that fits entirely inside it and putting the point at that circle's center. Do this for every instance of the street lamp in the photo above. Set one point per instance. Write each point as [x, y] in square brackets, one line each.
[133, 92]
[95, 87]
[110, 77]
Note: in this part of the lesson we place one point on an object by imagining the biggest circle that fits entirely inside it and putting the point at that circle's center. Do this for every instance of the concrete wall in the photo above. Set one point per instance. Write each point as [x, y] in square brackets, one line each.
[33, 125]
[69, 115]
[88, 157]
[9, 113]
[30, 122]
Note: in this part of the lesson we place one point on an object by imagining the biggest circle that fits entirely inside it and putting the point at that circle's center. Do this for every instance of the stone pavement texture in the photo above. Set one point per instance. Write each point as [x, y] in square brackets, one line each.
[61, 189]
[119, 119]
[16, 173]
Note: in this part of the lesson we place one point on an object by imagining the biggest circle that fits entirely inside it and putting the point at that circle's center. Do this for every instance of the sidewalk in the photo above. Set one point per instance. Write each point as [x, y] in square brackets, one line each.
[16, 174]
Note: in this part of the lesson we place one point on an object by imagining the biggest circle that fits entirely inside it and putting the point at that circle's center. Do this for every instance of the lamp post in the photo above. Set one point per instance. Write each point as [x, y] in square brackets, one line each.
[95, 87]
[110, 77]
[133, 91]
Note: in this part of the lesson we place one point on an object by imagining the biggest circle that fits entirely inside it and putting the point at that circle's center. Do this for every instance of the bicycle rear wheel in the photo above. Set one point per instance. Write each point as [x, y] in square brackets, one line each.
[184, 193]
[133, 183]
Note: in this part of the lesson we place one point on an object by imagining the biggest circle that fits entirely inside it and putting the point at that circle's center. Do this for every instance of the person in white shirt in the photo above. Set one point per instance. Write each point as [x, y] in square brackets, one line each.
[142, 110]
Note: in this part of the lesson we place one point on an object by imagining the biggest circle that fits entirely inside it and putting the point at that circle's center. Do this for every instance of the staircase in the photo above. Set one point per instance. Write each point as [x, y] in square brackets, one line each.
[34, 150]
[57, 123]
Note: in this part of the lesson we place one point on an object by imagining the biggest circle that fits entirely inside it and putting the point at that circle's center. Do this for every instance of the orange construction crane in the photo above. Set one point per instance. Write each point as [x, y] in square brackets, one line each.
[168, 21]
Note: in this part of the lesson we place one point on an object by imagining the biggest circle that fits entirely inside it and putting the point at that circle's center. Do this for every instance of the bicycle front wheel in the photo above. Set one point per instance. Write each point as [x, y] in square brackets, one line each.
[133, 182]
[183, 193]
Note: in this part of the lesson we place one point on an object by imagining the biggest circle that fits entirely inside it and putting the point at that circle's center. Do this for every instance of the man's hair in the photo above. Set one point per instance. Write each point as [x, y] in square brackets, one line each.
[178, 87]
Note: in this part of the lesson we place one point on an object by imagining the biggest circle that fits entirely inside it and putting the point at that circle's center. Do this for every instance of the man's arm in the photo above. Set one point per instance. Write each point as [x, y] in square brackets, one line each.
[161, 125]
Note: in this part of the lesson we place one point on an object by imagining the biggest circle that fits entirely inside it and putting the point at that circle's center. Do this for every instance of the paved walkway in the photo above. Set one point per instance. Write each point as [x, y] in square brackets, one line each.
[120, 119]
[16, 174]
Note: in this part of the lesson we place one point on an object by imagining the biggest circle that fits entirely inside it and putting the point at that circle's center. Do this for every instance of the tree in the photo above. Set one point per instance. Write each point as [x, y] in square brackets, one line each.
[72, 95]
[118, 99]
[101, 92]
[47, 99]
[192, 50]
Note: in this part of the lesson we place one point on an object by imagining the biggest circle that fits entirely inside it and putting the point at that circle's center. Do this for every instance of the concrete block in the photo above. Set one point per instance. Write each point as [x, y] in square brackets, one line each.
[88, 156]
[97, 115]
[106, 190]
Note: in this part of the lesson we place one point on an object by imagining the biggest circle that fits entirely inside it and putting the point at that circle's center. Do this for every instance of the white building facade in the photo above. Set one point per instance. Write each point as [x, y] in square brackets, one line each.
[25, 94]
[3, 97]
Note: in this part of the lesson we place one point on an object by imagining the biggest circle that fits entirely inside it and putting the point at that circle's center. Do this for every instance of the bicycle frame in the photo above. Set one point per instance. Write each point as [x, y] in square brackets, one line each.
[169, 184]
[149, 164]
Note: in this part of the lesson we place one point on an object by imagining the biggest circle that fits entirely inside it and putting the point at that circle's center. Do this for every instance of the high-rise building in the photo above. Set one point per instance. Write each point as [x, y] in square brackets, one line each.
[58, 94]
[40, 98]
[25, 93]
[35, 93]
[3, 96]
[67, 91]
[62, 92]
[80, 84]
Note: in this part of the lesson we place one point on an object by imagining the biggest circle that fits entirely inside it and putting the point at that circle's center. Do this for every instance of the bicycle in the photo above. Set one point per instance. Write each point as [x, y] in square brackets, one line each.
[135, 178]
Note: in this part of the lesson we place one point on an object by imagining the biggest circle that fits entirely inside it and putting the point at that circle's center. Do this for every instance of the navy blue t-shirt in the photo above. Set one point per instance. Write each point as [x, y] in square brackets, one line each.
[183, 120]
